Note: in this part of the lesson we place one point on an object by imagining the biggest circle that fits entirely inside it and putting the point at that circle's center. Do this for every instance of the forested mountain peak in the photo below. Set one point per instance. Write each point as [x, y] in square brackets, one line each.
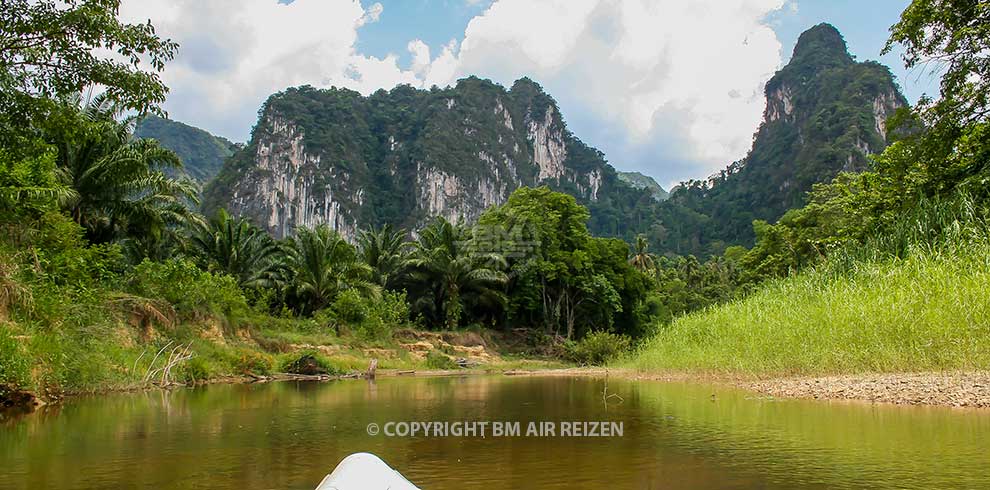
[821, 46]
[404, 155]
[202, 153]
[825, 114]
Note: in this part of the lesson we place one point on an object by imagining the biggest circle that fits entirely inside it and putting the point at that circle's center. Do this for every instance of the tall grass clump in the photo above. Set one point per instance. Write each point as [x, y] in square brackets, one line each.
[912, 298]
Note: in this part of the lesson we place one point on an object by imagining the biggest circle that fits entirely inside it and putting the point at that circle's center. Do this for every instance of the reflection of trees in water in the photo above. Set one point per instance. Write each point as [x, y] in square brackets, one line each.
[288, 435]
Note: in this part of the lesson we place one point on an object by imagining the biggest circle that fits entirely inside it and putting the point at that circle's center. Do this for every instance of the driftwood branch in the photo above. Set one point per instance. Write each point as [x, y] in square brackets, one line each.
[176, 355]
[606, 396]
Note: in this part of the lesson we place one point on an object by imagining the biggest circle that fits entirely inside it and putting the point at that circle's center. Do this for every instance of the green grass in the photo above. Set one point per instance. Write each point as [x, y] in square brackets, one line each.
[927, 311]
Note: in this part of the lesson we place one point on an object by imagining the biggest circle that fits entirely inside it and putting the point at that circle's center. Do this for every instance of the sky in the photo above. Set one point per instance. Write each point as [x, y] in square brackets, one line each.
[669, 88]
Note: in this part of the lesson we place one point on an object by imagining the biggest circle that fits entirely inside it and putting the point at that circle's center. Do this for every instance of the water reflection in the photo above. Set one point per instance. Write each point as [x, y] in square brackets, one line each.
[288, 435]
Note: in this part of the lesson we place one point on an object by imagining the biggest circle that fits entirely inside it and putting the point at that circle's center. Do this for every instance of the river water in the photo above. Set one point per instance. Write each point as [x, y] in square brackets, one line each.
[673, 436]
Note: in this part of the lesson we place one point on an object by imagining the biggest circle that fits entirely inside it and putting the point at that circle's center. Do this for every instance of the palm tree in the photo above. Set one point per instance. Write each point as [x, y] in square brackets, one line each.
[642, 259]
[119, 184]
[240, 249]
[449, 278]
[383, 250]
[323, 264]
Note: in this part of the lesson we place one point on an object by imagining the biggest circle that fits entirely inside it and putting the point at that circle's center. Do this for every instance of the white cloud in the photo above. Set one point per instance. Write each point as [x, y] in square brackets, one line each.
[373, 13]
[682, 81]
[234, 53]
[696, 68]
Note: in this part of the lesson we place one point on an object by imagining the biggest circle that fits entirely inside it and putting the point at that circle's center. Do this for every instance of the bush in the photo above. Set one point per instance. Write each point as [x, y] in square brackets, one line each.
[350, 307]
[597, 348]
[257, 363]
[195, 370]
[438, 360]
[371, 318]
[385, 316]
[14, 366]
[308, 362]
[196, 294]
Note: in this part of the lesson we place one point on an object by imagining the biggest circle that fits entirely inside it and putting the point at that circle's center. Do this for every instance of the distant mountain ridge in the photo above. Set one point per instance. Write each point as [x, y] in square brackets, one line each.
[202, 153]
[641, 181]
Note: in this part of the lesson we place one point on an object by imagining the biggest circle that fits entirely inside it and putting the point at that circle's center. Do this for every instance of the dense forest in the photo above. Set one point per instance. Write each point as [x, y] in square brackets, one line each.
[105, 253]
[202, 153]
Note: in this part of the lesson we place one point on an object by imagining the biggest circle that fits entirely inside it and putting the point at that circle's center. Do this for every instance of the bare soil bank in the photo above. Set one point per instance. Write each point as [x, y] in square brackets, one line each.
[953, 389]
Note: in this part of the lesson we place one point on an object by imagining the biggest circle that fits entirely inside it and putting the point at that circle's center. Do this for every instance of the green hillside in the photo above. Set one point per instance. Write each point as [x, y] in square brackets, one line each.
[202, 153]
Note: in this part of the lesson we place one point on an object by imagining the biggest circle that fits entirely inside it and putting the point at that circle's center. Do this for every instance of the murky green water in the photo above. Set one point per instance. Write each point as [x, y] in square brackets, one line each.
[675, 436]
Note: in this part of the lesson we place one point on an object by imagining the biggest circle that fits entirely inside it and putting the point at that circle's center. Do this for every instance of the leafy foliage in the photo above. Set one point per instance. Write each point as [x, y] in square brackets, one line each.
[195, 293]
[598, 348]
[118, 184]
[384, 250]
[447, 279]
[568, 280]
[323, 265]
[953, 35]
[240, 249]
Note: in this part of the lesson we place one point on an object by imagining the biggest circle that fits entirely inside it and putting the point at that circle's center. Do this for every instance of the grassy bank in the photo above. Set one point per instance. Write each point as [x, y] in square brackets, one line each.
[927, 311]
[107, 351]
[74, 320]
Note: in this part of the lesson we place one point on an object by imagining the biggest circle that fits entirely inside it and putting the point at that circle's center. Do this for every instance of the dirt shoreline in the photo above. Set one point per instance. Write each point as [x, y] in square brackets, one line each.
[16, 401]
[950, 389]
[964, 389]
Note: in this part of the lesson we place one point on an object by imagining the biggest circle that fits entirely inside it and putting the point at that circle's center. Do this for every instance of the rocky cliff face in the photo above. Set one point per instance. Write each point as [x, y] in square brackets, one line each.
[825, 114]
[403, 156]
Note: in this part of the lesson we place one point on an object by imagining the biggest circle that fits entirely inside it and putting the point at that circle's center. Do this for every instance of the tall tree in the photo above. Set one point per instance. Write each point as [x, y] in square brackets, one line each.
[953, 35]
[449, 278]
[50, 48]
[236, 247]
[561, 276]
[119, 183]
[951, 153]
[383, 250]
[323, 265]
[642, 259]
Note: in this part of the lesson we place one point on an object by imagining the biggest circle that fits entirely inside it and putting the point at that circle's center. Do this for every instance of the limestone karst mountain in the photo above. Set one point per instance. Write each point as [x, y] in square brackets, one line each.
[405, 155]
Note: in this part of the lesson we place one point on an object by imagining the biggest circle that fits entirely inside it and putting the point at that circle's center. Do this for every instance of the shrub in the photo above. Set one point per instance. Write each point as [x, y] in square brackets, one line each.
[350, 307]
[257, 363]
[373, 319]
[308, 362]
[14, 366]
[597, 348]
[385, 316]
[438, 360]
[195, 370]
[196, 294]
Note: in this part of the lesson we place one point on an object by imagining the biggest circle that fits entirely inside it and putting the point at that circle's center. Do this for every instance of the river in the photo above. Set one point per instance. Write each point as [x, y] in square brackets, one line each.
[670, 436]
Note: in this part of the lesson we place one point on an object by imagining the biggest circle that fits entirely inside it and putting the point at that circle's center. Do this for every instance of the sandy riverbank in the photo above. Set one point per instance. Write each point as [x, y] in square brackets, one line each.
[953, 389]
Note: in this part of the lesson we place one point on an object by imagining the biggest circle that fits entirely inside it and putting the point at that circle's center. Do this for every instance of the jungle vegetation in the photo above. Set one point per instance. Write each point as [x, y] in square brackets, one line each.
[105, 255]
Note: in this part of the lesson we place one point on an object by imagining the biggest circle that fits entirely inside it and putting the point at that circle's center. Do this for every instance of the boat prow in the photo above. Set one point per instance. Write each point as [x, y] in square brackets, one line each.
[364, 471]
